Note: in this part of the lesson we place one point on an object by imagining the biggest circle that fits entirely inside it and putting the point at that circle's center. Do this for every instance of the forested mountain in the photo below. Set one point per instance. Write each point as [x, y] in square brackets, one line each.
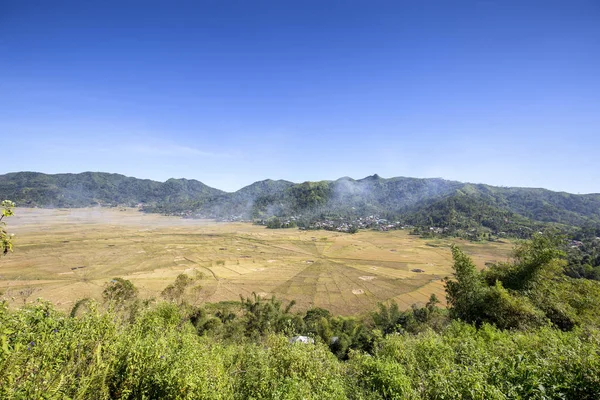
[35, 189]
[453, 205]
[460, 212]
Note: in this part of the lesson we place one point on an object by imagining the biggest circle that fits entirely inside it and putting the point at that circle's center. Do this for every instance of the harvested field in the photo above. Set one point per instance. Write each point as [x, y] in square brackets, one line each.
[65, 255]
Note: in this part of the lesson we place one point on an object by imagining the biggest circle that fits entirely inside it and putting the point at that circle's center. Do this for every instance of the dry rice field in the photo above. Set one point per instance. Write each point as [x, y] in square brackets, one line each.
[66, 255]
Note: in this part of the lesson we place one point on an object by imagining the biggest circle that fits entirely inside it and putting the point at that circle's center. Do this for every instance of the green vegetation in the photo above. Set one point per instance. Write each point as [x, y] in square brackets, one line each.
[471, 217]
[119, 290]
[530, 291]
[175, 291]
[519, 329]
[309, 195]
[277, 223]
[159, 354]
[584, 260]
[32, 189]
[5, 238]
[583, 253]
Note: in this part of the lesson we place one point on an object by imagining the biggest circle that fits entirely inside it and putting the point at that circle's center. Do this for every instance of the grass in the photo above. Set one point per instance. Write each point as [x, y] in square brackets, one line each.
[65, 255]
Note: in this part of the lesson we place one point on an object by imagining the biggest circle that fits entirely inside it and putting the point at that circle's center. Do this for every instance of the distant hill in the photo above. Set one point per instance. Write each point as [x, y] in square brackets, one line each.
[33, 189]
[436, 202]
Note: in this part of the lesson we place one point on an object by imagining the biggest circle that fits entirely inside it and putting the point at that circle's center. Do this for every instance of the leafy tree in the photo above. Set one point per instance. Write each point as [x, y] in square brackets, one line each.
[119, 290]
[317, 323]
[533, 260]
[5, 238]
[509, 310]
[263, 316]
[274, 223]
[389, 319]
[175, 291]
[204, 322]
[349, 334]
[525, 292]
[475, 300]
[464, 293]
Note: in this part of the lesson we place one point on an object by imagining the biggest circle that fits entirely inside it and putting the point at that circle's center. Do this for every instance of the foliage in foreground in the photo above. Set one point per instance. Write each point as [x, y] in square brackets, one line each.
[159, 354]
[520, 329]
[529, 291]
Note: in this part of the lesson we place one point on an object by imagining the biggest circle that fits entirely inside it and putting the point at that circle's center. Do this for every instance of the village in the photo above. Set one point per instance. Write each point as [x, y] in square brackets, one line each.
[339, 224]
[352, 225]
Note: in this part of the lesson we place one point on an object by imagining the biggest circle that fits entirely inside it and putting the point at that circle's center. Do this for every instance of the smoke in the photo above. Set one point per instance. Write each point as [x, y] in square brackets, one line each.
[43, 219]
[347, 187]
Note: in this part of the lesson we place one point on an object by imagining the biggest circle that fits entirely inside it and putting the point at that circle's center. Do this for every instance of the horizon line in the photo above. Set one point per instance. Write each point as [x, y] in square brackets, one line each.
[298, 183]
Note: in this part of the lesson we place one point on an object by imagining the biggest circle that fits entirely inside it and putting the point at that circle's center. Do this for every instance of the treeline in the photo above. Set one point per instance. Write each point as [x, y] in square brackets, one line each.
[520, 329]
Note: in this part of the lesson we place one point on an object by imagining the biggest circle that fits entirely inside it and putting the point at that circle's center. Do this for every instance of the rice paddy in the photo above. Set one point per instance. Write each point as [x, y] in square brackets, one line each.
[65, 255]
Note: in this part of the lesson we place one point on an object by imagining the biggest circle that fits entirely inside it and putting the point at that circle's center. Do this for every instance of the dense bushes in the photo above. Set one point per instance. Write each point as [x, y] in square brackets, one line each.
[463, 362]
[527, 292]
[45, 354]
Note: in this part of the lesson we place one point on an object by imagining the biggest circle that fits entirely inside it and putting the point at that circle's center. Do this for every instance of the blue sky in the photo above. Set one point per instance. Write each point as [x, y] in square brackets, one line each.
[230, 92]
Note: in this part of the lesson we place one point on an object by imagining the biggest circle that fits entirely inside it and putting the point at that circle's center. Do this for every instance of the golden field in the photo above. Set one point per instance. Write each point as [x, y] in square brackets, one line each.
[66, 255]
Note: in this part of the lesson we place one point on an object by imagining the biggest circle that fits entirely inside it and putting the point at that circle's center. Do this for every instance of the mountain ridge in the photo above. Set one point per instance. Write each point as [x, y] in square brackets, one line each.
[377, 176]
[419, 201]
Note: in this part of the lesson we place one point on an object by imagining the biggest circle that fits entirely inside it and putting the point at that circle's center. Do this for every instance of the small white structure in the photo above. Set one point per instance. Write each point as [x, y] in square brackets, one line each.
[302, 339]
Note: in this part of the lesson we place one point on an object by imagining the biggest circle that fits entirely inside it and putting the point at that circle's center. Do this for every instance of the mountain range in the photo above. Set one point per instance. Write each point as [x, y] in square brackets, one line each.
[419, 202]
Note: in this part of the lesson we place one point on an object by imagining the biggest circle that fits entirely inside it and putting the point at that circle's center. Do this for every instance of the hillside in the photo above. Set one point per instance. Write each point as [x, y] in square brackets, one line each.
[453, 205]
[33, 189]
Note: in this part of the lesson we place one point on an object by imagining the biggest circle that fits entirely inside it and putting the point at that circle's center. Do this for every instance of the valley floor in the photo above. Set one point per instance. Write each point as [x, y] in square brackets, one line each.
[67, 254]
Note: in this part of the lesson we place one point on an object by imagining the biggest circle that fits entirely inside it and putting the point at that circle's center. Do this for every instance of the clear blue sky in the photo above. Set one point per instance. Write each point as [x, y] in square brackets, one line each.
[230, 92]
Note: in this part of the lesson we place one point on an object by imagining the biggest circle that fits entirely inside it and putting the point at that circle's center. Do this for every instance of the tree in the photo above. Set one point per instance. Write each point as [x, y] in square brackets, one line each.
[523, 293]
[263, 316]
[387, 318]
[119, 290]
[175, 291]
[274, 223]
[5, 238]
[534, 261]
[464, 292]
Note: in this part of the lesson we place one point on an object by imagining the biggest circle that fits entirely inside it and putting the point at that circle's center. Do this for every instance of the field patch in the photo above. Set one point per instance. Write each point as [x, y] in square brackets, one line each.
[66, 255]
